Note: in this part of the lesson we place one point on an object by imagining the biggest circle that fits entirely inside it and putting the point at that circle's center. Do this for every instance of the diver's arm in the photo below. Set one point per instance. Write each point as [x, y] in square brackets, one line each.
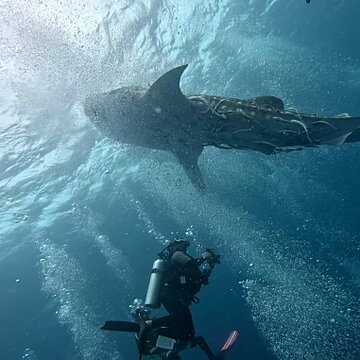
[183, 259]
[180, 258]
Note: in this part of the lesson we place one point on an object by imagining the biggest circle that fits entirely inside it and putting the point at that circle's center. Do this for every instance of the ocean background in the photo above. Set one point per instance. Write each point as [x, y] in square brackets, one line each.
[82, 218]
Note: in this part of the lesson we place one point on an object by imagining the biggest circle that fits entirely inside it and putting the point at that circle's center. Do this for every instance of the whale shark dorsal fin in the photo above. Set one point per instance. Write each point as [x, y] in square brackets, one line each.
[342, 116]
[268, 101]
[167, 85]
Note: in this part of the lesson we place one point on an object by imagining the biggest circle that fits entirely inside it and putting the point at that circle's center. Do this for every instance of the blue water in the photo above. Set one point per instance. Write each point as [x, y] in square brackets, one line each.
[82, 218]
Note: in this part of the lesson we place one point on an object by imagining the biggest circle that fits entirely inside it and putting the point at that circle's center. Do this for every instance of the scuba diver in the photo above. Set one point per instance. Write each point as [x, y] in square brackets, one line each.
[175, 280]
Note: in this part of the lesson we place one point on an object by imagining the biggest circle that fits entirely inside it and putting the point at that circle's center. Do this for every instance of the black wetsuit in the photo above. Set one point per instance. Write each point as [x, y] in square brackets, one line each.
[179, 323]
[183, 279]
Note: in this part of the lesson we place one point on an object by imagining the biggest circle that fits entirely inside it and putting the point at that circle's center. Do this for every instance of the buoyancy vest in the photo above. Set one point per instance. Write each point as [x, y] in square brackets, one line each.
[186, 277]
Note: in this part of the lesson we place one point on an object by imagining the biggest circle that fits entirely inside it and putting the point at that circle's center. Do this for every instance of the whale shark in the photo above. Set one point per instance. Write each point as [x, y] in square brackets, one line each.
[162, 117]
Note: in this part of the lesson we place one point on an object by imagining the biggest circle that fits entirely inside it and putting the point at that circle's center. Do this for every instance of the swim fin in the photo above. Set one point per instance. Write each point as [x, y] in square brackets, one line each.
[125, 326]
[229, 343]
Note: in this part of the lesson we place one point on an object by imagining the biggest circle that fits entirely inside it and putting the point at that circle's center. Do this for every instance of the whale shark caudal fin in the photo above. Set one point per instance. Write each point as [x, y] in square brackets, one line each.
[188, 158]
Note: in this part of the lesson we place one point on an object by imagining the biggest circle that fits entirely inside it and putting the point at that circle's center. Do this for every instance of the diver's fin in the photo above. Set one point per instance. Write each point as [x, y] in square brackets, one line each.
[168, 86]
[125, 326]
[142, 336]
[229, 343]
[188, 158]
[268, 102]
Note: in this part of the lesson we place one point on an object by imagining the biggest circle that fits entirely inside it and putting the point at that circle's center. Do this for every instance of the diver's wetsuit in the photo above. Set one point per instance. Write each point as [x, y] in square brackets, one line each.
[183, 279]
[178, 324]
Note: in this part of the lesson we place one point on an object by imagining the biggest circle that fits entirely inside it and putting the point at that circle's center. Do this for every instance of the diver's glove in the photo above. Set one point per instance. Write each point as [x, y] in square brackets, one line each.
[210, 257]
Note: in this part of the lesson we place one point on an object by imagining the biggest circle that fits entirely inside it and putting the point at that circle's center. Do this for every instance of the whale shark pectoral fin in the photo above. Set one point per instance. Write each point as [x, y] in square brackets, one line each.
[265, 147]
[188, 158]
[167, 86]
[353, 137]
[268, 102]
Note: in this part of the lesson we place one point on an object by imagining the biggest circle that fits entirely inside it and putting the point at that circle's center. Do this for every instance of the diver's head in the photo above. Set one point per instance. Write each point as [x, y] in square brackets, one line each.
[179, 244]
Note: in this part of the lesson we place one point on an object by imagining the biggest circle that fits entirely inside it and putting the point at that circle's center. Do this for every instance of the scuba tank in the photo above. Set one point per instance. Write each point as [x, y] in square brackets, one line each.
[152, 299]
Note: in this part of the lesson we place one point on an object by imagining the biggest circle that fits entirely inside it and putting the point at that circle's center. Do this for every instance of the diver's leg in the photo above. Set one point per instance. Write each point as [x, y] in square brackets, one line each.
[167, 326]
[180, 313]
[162, 321]
[178, 324]
[173, 327]
[201, 342]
